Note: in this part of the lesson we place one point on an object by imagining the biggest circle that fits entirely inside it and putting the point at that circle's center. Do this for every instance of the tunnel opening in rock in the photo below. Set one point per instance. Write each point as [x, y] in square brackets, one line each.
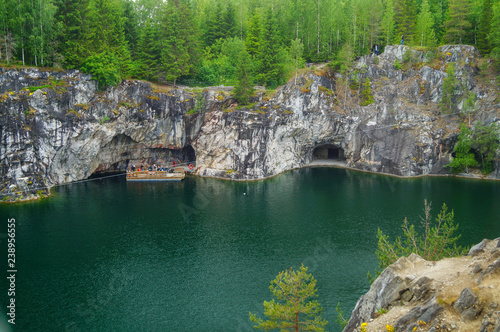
[328, 152]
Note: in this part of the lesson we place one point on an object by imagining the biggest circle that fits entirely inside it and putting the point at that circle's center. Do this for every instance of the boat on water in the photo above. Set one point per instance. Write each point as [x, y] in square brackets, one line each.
[155, 176]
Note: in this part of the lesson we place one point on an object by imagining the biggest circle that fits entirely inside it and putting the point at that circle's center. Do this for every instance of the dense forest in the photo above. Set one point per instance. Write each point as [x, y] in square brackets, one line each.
[214, 41]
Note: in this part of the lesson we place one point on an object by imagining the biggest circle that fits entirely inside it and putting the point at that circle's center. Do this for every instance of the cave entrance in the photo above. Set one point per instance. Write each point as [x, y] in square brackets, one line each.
[328, 152]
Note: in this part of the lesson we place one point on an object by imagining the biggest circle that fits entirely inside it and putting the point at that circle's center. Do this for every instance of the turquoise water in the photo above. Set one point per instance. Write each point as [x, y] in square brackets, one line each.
[198, 255]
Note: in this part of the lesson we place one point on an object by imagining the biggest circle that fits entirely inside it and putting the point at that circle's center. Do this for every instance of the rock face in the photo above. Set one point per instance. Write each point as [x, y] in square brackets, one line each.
[64, 130]
[454, 294]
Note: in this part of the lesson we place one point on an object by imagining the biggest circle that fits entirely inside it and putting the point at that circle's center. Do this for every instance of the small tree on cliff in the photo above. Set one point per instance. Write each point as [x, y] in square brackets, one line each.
[366, 95]
[436, 241]
[294, 310]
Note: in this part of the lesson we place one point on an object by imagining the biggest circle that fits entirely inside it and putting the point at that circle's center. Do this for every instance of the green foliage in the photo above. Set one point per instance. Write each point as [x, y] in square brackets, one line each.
[388, 24]
[271, 57]
[464, 158]
[494, 38]
[450, 86]
[177, 34]
[244, 88]
[425, 26]
[366, 95]
[397, 65]
[199, 104]
[296, 51]
[485, 141]
[435, 241]
[293, 308]
[341, 320]
[34, 88]
[405, 15]
[458, 20]
[104, 69]
[483, 43]
[254, 35]
[468, 107]
[104, 119]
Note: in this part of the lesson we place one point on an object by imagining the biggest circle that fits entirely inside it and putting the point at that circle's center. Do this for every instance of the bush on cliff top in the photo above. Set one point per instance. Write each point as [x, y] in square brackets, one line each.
[436, 241]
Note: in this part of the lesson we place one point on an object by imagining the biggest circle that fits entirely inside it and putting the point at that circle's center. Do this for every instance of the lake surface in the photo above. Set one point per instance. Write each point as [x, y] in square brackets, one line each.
[198, 255]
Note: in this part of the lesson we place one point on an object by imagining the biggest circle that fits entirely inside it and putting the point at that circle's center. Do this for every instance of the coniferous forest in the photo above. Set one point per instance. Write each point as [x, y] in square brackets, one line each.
[209, 42]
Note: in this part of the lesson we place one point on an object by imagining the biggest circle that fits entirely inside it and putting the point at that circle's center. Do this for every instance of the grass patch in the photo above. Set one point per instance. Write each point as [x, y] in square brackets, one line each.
[35, 88]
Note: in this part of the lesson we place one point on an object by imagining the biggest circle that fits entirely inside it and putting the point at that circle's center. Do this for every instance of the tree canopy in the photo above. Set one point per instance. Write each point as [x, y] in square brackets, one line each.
[187, 40]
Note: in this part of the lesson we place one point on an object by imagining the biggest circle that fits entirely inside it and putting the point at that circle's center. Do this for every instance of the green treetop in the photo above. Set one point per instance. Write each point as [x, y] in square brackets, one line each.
[458, 20]
[425, 26]
[293, 309]
[388, 23]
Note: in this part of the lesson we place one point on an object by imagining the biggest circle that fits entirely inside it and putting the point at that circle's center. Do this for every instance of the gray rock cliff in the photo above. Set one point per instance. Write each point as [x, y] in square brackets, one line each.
[453, 294]
[63, 129]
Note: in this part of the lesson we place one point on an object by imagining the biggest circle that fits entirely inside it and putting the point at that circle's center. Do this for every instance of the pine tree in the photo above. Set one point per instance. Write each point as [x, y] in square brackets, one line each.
[425, 26]
[244, 88]
[458, 22]
[293, 309]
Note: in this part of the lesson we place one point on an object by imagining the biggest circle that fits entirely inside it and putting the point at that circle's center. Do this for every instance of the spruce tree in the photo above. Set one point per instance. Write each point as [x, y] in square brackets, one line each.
[254, 32]
[244, 88]
[229, 25]
[178, 41]
[70, 16]
[148, 52]
[366, 95]
[105, 32]
[270, 60]
[483, 44]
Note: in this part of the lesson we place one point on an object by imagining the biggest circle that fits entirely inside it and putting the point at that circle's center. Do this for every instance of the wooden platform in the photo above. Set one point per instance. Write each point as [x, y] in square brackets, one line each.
[154, 176]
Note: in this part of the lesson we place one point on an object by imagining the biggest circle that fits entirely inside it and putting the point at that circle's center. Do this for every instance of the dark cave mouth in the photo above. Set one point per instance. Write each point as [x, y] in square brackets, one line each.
[135, 154]
[328, 152]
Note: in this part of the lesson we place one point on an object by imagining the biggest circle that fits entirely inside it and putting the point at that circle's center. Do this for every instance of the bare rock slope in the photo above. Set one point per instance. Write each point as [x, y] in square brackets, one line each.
[453, 294]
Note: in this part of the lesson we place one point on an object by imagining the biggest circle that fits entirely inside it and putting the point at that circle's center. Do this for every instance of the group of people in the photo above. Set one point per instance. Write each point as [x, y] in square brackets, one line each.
[150, 168]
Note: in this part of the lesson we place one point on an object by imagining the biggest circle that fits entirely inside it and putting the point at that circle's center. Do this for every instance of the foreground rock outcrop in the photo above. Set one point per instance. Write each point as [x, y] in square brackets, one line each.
[56, 127]
[453, 294]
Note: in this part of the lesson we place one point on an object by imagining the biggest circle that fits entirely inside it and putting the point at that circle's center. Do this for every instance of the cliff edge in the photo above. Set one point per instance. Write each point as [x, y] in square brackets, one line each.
[453, 294]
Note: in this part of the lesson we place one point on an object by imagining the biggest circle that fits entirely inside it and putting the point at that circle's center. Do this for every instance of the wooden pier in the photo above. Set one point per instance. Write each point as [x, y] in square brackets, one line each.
[154, 176]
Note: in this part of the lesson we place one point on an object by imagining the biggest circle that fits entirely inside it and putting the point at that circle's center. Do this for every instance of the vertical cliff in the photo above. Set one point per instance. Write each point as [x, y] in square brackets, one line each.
[56, 127]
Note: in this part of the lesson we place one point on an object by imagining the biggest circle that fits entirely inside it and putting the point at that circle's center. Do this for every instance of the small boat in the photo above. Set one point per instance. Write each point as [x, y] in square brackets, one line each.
[154, 176]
